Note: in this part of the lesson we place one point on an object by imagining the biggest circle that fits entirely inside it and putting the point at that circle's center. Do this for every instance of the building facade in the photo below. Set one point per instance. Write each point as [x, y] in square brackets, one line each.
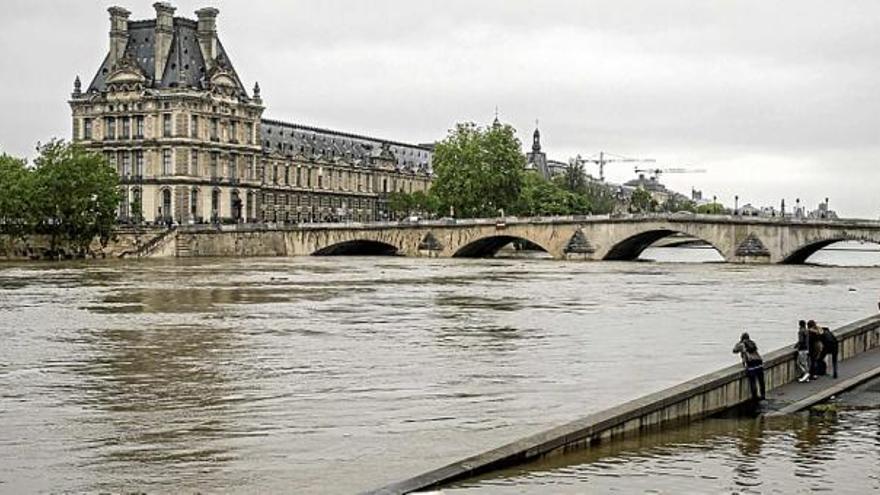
[190, 144]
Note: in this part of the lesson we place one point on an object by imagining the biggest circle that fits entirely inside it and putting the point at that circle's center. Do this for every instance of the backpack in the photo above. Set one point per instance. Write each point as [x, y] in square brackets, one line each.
[753, 358]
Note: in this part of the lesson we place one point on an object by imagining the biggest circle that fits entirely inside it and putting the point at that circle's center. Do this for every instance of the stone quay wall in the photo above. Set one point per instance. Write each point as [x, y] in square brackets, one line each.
[692, 400]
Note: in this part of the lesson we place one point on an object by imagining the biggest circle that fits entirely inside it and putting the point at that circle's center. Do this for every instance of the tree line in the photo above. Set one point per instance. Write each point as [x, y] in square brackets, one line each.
[481, 172]
[68, 194]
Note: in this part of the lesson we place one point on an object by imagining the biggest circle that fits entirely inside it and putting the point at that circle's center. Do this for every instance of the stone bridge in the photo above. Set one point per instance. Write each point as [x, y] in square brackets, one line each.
[737, 239]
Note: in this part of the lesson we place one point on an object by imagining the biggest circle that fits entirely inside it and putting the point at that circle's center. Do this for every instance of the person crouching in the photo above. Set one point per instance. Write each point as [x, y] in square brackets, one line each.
[754, 364]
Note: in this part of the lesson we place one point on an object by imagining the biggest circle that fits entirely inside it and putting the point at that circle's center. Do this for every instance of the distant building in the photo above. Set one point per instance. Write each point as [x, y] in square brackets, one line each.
[168, 109]
[536, 159]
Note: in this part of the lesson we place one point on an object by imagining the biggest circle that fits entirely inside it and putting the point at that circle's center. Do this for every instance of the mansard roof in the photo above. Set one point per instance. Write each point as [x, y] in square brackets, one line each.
[291, 138]
[185, 66]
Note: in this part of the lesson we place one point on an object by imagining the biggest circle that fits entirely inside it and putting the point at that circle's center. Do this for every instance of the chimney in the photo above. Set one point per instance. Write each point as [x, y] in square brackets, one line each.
[118, 33]
[164, 33]
[208, 34]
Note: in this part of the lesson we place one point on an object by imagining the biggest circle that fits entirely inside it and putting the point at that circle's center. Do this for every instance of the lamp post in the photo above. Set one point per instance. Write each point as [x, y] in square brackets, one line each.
[827, 213]
[736, 205]
[714, 204]
[797, 207]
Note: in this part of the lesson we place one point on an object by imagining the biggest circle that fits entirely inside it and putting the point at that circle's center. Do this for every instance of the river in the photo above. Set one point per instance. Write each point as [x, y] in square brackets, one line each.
[335, 375]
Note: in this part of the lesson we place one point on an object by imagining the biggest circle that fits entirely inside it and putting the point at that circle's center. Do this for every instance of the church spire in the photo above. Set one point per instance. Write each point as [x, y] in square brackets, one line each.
[496, 122]
[536, 139]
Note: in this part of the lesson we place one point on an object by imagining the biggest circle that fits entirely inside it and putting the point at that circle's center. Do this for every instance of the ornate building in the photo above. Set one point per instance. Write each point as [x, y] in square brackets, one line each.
[169, 111]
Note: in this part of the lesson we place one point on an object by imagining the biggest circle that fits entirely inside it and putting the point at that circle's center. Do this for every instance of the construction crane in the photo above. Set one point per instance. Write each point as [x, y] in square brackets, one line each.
[602, 160]
[655, 172]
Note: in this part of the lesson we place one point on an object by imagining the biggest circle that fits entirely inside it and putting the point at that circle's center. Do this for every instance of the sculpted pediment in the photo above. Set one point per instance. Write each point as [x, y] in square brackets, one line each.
[223, 79]
[125, 75]
[126, 71]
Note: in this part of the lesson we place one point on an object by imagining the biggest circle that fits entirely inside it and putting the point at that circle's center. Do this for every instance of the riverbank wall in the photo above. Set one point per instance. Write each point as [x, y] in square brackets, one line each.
[126, 241]
[695, 399]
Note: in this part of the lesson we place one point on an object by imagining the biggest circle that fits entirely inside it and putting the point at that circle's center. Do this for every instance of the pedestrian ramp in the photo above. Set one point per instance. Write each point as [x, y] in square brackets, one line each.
[793, 397]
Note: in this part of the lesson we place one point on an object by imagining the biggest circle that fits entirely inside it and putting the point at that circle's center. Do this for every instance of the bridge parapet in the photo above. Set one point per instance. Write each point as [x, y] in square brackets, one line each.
[589, 237]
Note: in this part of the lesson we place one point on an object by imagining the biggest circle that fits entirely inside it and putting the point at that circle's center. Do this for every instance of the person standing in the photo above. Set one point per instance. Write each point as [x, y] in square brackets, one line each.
[817, 366]
[754, 364]
[803, 350]
[829, 347]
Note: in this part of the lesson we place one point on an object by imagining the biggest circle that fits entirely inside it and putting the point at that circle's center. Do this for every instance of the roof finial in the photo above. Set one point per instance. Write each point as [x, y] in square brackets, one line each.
[257, 98]
[77, 86]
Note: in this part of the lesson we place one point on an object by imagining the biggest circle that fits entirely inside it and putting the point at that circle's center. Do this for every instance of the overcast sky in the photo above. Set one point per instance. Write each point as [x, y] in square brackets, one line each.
[774, 99]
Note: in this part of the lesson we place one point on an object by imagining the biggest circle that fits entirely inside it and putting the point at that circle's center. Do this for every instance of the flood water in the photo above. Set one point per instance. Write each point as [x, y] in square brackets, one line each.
[336, 375]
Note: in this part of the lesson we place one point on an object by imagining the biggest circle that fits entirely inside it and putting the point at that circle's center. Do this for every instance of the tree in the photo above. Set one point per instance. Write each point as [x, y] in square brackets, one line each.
[542, 197]
[16, 197]
[574, 179]
[641, 201]
[399, 204]
[711, 209]
[76, 195]
[478, 170]
[677, 202]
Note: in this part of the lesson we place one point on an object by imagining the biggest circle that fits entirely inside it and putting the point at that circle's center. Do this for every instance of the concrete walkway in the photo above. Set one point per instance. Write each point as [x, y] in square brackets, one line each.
[794, 397]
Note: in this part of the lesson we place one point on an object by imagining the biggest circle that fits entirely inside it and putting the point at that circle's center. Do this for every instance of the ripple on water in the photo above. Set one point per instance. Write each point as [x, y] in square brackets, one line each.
[277, 374]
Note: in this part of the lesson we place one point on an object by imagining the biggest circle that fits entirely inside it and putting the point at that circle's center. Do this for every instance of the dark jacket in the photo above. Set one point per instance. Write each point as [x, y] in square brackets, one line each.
[829, 341]
[748, 350]
[803, 342]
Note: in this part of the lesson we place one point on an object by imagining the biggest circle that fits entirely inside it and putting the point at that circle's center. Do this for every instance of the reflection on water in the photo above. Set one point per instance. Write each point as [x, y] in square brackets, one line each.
[817, 452]
[243, 375]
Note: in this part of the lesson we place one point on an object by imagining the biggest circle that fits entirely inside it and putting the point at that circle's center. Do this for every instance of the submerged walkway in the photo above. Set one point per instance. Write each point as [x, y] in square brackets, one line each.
[794, 397]
[692, 400]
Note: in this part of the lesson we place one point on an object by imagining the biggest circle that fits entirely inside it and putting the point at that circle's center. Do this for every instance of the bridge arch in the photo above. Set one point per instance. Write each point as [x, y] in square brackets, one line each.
[488, 246]
[358, 247]
[629, 248]
[801, 254]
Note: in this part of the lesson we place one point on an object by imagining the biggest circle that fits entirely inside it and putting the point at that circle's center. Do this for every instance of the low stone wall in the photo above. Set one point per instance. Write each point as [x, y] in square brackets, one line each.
[213, 242]
[695, 399]
[35, 246]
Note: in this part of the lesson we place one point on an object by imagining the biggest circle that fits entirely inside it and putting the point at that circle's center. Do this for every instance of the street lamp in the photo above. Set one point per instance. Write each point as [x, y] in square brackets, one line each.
[714, 204]
[797, 207]
[736, 205]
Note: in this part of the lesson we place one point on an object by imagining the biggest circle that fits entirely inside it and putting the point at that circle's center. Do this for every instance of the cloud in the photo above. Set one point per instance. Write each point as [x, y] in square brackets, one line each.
[774, 98]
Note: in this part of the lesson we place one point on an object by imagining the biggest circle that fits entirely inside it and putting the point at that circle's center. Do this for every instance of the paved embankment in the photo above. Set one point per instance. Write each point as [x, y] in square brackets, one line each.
[795, 397]
[695, 399]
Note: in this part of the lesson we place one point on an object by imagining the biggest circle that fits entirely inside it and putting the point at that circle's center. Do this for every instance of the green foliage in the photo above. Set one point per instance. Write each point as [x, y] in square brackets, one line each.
[69, 194]
[599, 197]
[711, 209]
[401, 204]
[16, 197]
[641, 201]
[478, 170]
[574, 178]
[76, 192]
[678, 203]
[541, 198]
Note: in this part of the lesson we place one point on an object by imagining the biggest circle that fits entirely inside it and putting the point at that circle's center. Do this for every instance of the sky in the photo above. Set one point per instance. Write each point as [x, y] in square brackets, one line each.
[773, 99]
